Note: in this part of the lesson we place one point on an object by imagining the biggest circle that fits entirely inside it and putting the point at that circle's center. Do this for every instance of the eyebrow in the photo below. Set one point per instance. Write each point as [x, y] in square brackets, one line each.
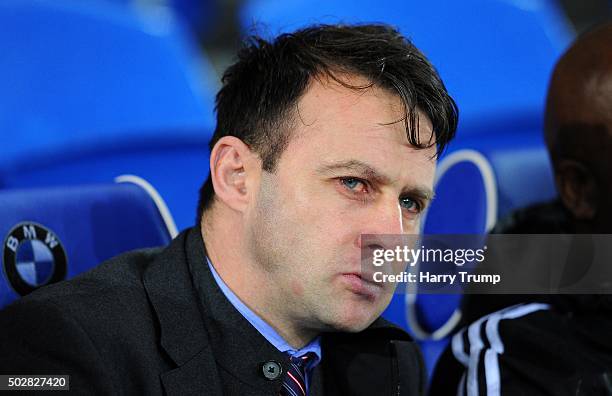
[370, 173]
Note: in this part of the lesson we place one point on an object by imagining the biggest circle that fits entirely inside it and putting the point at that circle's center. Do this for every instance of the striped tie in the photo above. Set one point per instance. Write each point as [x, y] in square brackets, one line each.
[294, 381]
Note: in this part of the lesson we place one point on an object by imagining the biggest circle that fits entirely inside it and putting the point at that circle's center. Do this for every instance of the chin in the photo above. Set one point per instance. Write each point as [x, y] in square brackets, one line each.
[353, 320]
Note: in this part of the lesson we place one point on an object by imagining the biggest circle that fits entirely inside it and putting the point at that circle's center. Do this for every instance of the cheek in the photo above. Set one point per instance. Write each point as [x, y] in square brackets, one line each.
[318, 215]
[297, 288]
[318, 209]
[413, 226]
[342, 231]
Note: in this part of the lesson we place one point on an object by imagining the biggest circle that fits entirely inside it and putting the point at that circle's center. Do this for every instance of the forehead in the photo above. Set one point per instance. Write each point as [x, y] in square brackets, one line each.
[335, 123]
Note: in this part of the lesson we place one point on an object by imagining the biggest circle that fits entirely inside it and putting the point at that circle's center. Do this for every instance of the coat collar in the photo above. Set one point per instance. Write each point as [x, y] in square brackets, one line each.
[170, 289]
[183, 334]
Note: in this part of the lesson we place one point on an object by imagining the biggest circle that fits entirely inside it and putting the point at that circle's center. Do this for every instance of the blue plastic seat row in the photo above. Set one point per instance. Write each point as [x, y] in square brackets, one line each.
[96, 89]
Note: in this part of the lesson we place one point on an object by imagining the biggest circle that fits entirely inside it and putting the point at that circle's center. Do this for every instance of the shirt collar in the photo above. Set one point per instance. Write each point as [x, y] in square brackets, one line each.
[263, 327]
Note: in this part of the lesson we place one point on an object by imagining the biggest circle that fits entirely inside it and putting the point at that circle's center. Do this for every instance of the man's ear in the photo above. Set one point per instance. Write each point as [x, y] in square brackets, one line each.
[234, 169]
[577, 188]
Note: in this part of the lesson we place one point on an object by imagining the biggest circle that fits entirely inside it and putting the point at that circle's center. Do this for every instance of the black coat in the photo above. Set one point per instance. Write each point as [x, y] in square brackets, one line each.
[140, 324]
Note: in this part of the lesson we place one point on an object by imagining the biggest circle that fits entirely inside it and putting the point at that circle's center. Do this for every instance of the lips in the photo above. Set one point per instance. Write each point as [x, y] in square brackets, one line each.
[362, 284]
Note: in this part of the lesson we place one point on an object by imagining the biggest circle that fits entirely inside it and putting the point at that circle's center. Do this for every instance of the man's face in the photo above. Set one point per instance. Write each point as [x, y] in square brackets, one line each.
[348, 170]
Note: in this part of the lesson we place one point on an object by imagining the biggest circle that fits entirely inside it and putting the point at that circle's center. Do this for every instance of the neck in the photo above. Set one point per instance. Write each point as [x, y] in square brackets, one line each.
[248, 281]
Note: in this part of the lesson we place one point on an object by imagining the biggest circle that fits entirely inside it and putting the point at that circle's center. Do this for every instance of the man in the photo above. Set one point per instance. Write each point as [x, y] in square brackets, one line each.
[551, 344]
[323, 135]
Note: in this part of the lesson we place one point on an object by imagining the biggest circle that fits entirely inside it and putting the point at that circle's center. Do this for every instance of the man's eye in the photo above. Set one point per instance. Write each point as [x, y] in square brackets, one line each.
[410, 205]
[353, 183]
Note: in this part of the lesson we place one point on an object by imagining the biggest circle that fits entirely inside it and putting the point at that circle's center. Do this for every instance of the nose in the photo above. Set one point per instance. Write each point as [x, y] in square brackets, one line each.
[385, 218]
[383, 229]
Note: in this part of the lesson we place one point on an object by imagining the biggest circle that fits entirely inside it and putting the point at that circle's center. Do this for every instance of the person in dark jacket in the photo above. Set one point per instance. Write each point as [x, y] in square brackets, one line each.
[550, 344]
[322, 135]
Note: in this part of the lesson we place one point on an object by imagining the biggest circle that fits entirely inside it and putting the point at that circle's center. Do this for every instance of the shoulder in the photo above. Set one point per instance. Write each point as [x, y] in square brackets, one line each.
[112, 284]
[37, 336]
[96, 326]
[524, 349]
[89, 309]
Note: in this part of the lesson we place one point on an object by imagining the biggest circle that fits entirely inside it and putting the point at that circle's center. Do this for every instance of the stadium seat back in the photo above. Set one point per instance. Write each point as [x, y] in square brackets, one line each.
[51, 234]
[82, 70]
[97, 89]
[176, 166]
[495, 56]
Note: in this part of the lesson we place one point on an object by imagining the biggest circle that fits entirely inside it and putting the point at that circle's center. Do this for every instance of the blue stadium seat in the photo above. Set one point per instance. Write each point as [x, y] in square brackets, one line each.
[51, 234]
[495, 56]
[177, 165]
[198, 15]
[88, 78]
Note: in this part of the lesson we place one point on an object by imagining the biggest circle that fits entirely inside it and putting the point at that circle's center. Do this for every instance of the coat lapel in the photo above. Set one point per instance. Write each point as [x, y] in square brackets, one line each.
[183, 334]
[196, 377]
[200, 329]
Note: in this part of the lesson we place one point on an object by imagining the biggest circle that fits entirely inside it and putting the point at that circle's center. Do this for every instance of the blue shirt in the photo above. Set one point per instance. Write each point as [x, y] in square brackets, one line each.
[266, 330]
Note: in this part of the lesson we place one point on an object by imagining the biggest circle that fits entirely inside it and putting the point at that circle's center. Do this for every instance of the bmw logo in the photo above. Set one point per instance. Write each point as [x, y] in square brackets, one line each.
[33, 257]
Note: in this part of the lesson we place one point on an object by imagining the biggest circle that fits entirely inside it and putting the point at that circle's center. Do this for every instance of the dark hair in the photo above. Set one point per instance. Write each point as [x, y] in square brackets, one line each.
[257, 101]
